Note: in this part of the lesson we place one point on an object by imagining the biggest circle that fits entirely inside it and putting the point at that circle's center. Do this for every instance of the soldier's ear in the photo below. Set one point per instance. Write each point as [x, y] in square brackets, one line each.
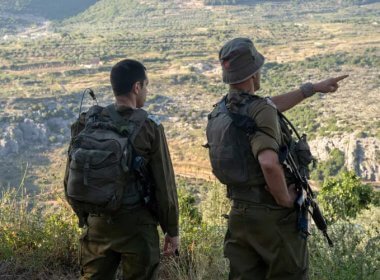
[136, 88]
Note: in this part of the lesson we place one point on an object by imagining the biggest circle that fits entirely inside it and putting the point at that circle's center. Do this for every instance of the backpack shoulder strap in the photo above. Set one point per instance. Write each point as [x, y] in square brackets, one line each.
[138, 118]
[131, 126]
[241, 121]
[115, 116]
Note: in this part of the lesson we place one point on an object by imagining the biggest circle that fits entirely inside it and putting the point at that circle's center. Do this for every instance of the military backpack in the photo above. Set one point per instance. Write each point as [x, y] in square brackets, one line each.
[101, 160]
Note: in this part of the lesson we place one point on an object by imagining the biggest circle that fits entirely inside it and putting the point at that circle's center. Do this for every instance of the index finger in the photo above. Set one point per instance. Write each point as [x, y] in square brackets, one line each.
[337, 79]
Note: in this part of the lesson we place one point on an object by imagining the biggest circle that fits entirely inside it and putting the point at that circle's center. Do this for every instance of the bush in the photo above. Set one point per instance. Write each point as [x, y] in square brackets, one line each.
[355, 254]
[344, 197]
[33, 241]
[330, 167]
[201, 253]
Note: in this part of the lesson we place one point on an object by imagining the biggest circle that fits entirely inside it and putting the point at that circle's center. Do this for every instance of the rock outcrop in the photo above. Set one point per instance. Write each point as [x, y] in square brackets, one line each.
[361, 154]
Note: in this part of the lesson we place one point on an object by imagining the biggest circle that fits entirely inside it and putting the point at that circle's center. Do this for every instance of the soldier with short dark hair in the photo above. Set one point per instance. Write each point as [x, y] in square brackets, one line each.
[262, 241]
[129, 236]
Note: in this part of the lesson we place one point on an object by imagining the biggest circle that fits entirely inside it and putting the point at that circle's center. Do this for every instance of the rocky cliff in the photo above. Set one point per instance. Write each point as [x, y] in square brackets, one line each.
[361, 154]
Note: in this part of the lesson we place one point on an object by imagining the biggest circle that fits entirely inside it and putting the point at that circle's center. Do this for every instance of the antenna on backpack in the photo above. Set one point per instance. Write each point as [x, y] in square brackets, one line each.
[92, 94]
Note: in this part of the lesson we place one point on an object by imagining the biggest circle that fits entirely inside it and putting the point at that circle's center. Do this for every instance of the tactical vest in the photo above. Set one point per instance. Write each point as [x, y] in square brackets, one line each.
[231, 156]
[101, 172]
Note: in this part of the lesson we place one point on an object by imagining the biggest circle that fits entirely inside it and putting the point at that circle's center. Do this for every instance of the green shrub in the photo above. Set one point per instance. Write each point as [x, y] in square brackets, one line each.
[355, 254]
[344, 197]
[201, 253]
[330, 167]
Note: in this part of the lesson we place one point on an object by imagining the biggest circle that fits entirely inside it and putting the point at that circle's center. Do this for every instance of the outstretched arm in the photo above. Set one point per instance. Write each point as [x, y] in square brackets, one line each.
[288, 100]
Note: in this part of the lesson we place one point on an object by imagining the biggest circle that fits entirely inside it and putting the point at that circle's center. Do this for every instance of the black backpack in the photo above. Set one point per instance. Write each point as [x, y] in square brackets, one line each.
[101, 161]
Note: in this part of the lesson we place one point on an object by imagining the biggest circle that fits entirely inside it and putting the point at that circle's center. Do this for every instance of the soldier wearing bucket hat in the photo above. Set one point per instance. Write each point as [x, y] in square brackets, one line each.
[262, 241]
[240, 60]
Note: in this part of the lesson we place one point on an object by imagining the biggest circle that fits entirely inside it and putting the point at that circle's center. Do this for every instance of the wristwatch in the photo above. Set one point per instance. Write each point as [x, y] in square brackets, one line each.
[307, 90]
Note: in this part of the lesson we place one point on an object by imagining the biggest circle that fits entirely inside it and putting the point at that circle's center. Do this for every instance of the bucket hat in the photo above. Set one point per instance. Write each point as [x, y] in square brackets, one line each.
[240, 60]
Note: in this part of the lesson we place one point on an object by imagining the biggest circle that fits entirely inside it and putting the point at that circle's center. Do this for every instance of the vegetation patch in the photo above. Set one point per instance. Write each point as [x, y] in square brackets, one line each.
[330, 167]
[38, 245]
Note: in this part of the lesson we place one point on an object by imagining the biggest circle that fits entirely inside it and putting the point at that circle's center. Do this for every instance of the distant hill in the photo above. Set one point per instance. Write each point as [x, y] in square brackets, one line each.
[49, 9]
[237, 2]
[116, 10]
[120, 11]
[53, 9]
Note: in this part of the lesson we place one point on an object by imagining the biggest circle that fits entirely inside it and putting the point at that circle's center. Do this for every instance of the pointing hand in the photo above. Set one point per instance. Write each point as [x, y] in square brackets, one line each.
[328, 85]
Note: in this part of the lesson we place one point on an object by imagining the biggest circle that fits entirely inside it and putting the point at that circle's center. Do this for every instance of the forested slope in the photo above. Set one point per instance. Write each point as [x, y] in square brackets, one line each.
[238, 2]
[46, 8]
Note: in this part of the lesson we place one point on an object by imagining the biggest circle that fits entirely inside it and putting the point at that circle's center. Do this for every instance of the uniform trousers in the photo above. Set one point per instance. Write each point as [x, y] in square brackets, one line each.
[263, 243]
[129, 238]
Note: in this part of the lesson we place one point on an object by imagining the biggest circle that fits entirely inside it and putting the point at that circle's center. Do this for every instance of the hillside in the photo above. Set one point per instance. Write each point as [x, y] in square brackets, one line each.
[50, 51]
[45, 69]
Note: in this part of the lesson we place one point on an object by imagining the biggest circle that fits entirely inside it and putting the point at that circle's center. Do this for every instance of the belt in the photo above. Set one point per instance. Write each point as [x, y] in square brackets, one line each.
[123, 209]
[247, 204]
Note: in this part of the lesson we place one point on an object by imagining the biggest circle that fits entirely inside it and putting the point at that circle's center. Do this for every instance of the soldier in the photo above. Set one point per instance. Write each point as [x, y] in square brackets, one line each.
[130, 236]
[262, 241]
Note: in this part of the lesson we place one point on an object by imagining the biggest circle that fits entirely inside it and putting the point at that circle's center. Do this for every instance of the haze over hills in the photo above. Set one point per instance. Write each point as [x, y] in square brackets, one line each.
[45, 67]
[15, 15]
[45, 8]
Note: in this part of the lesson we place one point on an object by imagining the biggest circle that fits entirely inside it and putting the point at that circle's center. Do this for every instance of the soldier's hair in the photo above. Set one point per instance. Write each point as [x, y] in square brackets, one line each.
[125, 74]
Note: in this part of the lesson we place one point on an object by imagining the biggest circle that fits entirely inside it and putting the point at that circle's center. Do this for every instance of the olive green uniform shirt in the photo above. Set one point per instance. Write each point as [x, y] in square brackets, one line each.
[264, 112]
[151, 144]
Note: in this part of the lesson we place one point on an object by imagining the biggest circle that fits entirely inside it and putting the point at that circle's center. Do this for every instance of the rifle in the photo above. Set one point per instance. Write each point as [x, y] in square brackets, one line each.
[147, 191]
[302, 203]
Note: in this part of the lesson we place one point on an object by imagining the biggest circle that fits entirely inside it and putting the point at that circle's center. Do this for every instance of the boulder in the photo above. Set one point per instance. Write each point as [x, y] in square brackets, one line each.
[34, 132]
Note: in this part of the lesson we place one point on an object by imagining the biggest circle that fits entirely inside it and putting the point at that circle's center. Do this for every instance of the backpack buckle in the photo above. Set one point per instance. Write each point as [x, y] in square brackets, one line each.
[206, 146]
[86, 170]
[123, 130]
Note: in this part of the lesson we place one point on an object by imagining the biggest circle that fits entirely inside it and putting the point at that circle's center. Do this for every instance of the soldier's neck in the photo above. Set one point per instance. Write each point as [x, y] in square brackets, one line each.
[245, 89]
[247, 86]
[126, 101]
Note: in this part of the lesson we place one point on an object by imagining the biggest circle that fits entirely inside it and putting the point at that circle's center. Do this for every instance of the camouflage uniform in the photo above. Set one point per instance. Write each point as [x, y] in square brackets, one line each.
[262, 241]
[130, 236]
